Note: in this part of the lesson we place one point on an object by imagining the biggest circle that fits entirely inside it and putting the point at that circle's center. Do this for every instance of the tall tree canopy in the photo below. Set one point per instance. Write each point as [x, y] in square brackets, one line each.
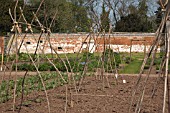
[81, 15]
[136, 20]
[5, 19]
[72, 15]
[158, 14]
[104, 18]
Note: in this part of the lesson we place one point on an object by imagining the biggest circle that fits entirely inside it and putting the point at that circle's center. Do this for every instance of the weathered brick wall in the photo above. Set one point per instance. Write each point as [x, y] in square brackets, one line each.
[122, 42]
[70, 43]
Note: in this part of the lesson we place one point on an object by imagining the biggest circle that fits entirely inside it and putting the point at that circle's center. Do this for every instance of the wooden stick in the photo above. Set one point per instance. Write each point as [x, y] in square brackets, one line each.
[22, 93]
[42, 81]
[2, 58]
[158, 37]
[66, 103]
[167, 63]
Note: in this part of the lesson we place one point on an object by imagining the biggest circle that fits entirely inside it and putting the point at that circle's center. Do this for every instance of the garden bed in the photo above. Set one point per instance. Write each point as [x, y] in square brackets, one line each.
[92, 98]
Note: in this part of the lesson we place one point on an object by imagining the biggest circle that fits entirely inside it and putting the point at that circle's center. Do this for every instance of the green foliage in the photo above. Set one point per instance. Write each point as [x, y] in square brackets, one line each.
[114, 57]
[137, 20]
[23, 56]
[87, 55]
[44, 67]
[132, 9]
[6, 22]
[127, 60]
[24, 67]
[132, 68]
[92, 65]
[32, 83]
[71, 16]
[74, 16]
[143, 9]
[105, 21]
[158, 14]
[76, 64]
[87, 59]
[133, 23]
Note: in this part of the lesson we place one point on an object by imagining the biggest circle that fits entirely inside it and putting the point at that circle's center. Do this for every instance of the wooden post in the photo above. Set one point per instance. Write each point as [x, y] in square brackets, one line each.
[130, 50]
[2, 60]
[166, 68]
[143, 42]
[2, 53]
[144, 48]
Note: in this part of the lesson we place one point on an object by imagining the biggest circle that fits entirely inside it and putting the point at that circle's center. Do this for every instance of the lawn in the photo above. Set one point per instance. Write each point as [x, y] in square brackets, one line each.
[133, 67]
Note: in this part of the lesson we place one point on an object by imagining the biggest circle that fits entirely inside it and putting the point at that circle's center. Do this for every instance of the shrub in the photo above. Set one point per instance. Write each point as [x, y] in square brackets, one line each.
[24, 67]
[87, 55]
[112, 55]
[23, 56]
[44, 67]
[92, 65]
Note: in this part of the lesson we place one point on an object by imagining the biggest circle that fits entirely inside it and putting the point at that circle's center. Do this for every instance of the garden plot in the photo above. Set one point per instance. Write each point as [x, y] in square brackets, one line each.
[74, 84]
[92, 98]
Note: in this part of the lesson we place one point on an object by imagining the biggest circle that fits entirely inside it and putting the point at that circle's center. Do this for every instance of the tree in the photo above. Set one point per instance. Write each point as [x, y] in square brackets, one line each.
[82, 21]
[158, 15]
[136, 21]
[133, 23]
[5, 23]
[71, 15]
[132, 9]
[142, 9]
[105, 21]
[129, 23]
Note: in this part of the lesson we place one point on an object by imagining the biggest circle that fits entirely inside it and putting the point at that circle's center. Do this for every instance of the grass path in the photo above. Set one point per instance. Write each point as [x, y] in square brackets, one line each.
[132, 68]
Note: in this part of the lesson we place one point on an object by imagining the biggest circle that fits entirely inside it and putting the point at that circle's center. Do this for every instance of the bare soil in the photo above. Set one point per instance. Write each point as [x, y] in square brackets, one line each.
[93, 97]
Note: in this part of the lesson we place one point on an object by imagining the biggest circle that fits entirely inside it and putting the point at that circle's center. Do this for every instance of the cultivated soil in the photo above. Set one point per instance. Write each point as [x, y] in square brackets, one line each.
[94, 97]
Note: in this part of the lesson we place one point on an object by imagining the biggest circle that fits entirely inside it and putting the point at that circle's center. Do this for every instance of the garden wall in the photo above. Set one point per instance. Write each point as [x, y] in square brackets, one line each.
[71, 43]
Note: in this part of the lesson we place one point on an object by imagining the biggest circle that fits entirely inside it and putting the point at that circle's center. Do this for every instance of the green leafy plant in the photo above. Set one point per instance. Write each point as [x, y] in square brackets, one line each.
[44, 67]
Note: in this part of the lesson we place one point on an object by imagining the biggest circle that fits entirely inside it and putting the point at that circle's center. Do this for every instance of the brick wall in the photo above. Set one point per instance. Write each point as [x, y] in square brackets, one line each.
[70, 43]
